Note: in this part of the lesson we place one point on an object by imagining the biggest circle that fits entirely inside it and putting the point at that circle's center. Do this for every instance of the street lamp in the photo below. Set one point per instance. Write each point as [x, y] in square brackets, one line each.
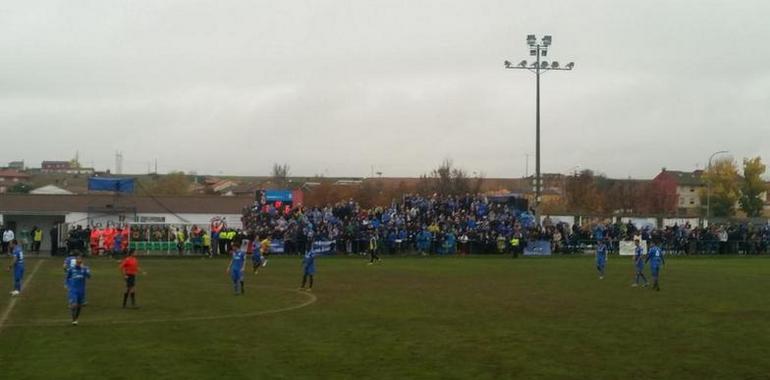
[538, 49]
[708, 192]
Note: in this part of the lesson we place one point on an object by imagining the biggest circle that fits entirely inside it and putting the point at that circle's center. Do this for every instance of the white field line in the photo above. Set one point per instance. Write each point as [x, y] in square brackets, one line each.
[12, 304]
[56, 322]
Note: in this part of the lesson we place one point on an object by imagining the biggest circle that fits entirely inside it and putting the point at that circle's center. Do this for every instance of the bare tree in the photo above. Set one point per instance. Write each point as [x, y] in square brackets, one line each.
[280, 174]
[447, 179]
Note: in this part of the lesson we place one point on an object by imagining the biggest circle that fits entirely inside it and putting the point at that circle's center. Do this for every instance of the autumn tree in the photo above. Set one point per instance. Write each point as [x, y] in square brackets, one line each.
[174, 183]
[725, 187]
[752, 186]
[367, 194]
[582, 192]
[621, 196]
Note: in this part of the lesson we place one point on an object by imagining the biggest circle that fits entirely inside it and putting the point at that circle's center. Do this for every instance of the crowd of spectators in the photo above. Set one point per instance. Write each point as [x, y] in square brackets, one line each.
[723, 238]
[475, 224]
[423, 224]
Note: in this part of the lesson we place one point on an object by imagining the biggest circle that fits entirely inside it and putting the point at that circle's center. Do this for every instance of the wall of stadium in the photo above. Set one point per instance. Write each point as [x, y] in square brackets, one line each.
[202, 220]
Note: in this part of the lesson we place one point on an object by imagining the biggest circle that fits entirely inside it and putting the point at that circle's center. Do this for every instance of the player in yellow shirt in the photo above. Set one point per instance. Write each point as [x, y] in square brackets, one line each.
[264, 249]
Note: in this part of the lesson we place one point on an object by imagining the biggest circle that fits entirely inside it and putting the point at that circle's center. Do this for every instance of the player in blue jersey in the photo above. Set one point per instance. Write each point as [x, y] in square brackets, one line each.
[308, 267]
[17, 266]
[69, 263]
[601, 257]
[655, 257]
[639, 263]
[236, 268]
[76, 283]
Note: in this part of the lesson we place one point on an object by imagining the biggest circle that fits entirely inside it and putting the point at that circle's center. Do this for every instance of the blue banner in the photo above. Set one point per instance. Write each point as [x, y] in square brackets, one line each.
[120, 185]
[276, 246]
[538, 248]
[323, 247]
[278, 195]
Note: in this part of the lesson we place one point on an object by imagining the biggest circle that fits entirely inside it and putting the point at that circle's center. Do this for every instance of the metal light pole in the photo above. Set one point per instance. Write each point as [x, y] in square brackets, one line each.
[538, 49]
[708, 191]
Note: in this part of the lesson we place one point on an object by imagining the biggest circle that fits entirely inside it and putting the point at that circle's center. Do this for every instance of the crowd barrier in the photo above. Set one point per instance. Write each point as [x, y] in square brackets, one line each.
[476, 247]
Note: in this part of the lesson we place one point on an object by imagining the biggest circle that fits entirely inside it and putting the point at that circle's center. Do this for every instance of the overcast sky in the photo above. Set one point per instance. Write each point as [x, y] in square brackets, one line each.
[340, 87]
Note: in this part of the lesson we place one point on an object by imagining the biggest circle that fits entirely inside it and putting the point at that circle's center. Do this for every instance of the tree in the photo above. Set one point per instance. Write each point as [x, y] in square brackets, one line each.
[621, 196]
[448, 180]
[367, 194]
[20, 188]
[752, 187]
[174, 183]
[280, 174]
[583, 193]
[725, 187]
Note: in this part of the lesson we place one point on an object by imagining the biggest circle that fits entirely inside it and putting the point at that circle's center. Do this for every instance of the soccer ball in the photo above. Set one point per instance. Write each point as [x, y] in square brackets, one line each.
[15, 293]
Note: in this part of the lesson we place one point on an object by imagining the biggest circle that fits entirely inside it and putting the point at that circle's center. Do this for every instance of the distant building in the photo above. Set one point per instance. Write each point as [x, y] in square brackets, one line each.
[9, 178]
[223, 186]
[16, 165]
[12, 176]
[681, 190]
[51, 190]
[55, 166]
[63, 167]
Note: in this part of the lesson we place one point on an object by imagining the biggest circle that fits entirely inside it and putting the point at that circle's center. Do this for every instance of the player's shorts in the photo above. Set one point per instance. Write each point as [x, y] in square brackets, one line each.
[601, 263]
[655, 269]
[236, 275]
[257, 259]
[639, 268]
[18, 272]
[76, 297]
[130, 280]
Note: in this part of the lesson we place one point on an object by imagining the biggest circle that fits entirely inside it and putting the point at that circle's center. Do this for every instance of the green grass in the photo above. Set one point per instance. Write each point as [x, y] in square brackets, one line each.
[435, 318]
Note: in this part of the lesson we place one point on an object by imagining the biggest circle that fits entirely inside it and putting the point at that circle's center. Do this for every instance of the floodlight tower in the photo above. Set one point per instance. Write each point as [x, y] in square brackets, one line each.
[538, 49]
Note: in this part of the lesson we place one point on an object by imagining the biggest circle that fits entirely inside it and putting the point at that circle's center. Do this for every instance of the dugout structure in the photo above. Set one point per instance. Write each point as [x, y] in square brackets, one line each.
[153, 237]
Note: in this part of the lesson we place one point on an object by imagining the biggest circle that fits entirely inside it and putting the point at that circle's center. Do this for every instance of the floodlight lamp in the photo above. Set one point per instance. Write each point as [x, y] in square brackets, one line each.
[555, 65]
[532, 52]
[570, 65]
[523, 63]
[507, 63]
[546, 40]
[531, 39]
[544, 65]
[543, 52]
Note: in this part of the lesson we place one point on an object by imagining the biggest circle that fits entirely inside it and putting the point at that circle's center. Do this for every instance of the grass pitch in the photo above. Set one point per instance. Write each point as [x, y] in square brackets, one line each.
[436, 318]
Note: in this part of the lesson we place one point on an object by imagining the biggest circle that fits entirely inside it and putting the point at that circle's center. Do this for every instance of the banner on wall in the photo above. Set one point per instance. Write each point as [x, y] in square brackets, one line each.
[627, 247]
[538, 248]
[323, 247]
[276, 246]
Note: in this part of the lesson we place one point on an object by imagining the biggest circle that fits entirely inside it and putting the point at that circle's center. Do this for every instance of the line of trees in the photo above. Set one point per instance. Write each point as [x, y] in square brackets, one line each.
[731, 191]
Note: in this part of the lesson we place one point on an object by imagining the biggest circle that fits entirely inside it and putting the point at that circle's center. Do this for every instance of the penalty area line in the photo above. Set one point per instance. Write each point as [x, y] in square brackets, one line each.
[12, 304]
